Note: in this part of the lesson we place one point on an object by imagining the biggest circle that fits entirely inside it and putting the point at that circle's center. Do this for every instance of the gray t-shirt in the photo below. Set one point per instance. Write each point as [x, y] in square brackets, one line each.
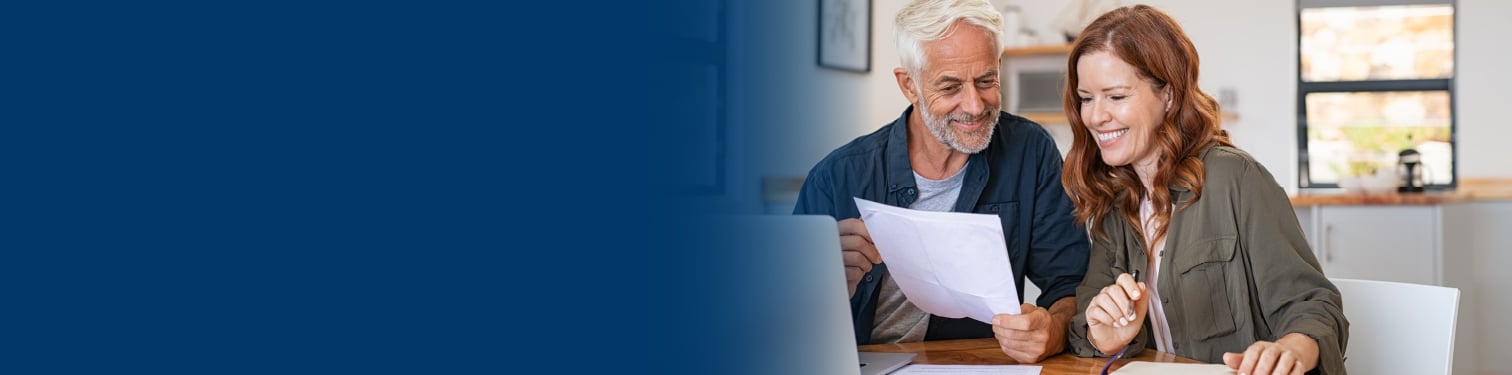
[897, 319]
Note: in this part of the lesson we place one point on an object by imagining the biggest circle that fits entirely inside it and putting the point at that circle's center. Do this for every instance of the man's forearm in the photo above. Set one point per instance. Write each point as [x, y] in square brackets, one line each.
[1064, 309]
[1061, 313]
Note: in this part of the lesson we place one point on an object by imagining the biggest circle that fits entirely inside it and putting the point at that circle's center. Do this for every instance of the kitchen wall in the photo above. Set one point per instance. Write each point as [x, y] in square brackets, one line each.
[1482, 83]
[1482, 80]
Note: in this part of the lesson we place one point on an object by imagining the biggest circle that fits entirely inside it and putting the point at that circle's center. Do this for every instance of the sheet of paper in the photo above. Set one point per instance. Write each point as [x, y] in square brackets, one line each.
[1167, 368]
[969, 370]
[949, 264]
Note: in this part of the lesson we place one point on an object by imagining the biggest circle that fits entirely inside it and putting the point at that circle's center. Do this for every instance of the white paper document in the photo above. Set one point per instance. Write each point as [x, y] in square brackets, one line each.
[969, 370]
[949, 264]
[1166, 368]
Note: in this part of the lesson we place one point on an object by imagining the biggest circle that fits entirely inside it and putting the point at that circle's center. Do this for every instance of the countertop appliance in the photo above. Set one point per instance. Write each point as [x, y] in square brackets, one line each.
[1410, 167]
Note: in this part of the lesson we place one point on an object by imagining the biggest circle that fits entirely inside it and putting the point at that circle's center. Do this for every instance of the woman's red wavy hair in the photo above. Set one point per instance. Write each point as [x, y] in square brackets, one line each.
[1155, 45]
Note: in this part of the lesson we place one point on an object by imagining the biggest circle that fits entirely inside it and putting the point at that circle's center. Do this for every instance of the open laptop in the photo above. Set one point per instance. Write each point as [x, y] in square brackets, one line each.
[802, 296]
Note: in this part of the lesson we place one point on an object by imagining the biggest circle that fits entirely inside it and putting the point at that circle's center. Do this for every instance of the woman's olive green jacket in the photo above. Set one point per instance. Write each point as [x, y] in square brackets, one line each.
[1236, 269]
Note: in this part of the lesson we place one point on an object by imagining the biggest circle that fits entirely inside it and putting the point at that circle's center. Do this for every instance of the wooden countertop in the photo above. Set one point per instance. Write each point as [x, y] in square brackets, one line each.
[1469, 190]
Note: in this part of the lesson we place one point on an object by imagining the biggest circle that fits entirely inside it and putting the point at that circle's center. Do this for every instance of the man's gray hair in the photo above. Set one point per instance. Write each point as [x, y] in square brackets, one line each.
[929, 20]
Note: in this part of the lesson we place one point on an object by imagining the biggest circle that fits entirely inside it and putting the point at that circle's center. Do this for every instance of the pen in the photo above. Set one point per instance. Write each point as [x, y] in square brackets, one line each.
[1131, 303]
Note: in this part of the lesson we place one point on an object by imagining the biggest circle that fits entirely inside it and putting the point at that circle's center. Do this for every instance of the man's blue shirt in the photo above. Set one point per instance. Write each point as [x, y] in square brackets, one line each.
[1017, 178]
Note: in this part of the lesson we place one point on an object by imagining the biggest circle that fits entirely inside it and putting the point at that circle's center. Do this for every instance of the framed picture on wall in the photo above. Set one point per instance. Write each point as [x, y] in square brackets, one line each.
[845, 35]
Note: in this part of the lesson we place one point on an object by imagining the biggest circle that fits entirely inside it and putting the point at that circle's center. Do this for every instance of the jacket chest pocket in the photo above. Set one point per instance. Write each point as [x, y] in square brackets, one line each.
[1007, 213]
[1204, 273]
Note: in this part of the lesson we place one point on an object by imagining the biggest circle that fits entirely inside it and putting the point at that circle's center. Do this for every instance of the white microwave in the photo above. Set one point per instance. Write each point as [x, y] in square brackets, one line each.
[1033, 83]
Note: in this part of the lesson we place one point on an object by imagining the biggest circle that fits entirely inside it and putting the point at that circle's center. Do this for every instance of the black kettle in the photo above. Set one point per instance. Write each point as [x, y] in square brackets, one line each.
[1410, 167]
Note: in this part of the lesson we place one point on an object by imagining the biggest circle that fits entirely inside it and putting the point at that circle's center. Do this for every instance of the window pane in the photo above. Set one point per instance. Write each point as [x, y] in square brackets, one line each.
[1377, 43]
[1357, 133]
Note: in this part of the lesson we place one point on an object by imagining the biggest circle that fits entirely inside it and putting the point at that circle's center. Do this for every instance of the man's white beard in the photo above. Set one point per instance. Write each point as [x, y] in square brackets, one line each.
[942, 131]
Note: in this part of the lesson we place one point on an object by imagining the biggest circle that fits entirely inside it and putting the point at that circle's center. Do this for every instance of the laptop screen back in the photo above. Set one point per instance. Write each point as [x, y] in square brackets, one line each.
[780, 283]
[781, 286]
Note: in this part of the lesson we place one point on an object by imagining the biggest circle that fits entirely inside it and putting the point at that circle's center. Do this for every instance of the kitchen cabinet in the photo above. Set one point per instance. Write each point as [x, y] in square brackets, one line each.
[1414, 238]
[1461, 237]
[1384, 242]
[1413, 243]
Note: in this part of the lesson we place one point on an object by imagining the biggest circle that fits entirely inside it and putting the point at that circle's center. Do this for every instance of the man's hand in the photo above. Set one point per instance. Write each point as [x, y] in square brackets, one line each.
[857, 250]
[1294, 353]
[1036, 333]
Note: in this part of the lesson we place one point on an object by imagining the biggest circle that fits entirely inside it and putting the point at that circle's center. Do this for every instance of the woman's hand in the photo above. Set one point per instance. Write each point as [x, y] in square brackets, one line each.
[1115, 316]
[1294, 353]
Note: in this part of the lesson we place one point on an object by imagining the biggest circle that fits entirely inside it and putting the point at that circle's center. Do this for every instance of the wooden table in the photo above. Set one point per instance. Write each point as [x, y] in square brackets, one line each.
[986, 352]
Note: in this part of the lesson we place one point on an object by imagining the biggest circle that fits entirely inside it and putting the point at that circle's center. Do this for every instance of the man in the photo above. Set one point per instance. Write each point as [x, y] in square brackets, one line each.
[952, 150]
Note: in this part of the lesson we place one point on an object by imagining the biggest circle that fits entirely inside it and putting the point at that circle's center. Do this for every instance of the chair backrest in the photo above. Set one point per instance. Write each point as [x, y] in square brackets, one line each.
[1398, 328]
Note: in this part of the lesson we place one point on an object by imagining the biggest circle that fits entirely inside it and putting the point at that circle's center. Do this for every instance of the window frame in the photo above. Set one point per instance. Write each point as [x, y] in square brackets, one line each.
[1374, 86]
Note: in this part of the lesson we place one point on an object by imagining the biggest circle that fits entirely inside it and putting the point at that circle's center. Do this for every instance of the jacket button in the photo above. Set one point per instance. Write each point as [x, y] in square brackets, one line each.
[867, 278]
[1162, 299]
[994, 209]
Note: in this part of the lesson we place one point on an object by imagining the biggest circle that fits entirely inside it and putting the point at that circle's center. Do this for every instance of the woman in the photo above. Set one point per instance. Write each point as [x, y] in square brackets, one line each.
[1234, 279]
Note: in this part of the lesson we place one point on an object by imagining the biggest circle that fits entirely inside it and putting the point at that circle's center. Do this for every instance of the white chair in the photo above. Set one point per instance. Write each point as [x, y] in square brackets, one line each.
[1398, 328]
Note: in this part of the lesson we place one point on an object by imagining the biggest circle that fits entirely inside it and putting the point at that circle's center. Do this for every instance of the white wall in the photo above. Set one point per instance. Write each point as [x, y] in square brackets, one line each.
[1482, 81]
[1257, 59]
[887, 99]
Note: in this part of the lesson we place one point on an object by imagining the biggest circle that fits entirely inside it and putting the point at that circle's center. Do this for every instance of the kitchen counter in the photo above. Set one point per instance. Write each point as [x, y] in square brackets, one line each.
[1469, 190]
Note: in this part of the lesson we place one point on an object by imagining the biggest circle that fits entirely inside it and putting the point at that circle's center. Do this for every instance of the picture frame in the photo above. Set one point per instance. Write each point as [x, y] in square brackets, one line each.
[845, 35]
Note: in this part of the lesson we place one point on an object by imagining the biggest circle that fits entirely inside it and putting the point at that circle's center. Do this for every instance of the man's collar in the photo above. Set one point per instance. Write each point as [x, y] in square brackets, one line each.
[899, 170]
